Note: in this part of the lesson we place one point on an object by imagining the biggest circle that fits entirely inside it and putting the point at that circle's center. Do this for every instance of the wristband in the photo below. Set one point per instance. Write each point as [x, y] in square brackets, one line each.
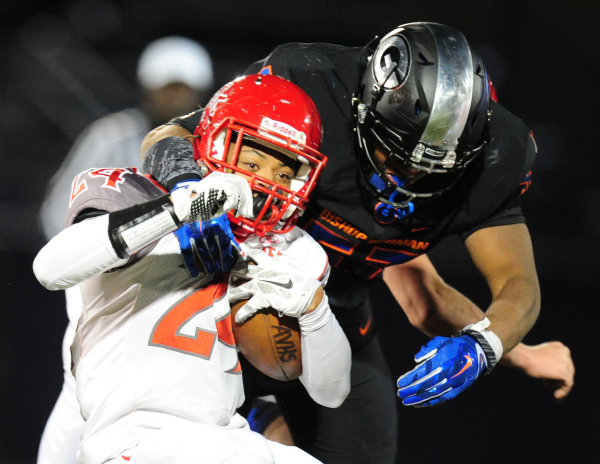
[489, 341]
[133, 228]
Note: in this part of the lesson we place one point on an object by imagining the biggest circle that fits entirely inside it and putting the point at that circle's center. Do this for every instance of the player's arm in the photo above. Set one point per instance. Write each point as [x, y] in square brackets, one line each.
[504, 255]
[326, 355]
[76, 254]
[167, 151]
[430, 304]
[282, 284]
[96, 245]
[437, 309]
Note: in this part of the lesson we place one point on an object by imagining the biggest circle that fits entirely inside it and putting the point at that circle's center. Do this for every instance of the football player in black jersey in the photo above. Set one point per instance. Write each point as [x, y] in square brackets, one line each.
[418, 149]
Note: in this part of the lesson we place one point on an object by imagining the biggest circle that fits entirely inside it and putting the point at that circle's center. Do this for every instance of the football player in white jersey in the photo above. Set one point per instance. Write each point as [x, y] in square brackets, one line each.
[158, 378]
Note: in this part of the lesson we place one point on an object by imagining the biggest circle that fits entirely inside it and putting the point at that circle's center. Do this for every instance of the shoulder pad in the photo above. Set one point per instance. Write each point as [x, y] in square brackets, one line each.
[109, 189]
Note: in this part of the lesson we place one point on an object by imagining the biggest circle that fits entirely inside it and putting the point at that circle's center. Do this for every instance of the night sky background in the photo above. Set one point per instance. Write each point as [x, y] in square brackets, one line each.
[64, 64]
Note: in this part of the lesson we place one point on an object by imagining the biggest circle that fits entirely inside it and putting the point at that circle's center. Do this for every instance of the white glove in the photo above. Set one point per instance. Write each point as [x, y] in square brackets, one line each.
[211, 197]
[279, 283]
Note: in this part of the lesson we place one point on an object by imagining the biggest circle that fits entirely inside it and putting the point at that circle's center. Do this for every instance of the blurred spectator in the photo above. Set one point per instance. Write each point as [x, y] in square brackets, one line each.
[174, 74]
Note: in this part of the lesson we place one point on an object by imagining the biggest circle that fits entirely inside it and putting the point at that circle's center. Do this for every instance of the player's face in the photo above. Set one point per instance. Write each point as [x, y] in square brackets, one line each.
[396, 167]
[265, 162]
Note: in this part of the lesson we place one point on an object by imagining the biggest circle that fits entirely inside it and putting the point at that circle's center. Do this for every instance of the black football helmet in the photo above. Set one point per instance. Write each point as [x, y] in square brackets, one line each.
[424, 100]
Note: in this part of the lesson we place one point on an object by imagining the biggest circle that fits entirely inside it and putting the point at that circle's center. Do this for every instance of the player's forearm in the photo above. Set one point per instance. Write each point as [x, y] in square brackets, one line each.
[448, 312]
[456, 311]
[326, 357]
[94, 246]
[514, 310]
[504, 256]
[78, 253]
[430, 304]
[438, 309]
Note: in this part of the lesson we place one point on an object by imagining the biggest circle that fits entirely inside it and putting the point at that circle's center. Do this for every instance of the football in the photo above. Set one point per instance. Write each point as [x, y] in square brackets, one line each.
[270, 343]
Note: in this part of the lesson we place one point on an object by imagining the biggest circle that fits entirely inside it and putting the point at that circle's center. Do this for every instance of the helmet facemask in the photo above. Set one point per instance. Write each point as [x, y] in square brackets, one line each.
[422, 103]
[396, 190]
[276, 207]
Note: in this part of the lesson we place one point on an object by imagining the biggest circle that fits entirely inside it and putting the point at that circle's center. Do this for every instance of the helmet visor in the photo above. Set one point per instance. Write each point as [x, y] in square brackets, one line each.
[454, 89]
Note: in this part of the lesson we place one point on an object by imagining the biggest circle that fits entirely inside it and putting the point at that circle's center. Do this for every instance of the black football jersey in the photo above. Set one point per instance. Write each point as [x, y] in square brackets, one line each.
[341, 214]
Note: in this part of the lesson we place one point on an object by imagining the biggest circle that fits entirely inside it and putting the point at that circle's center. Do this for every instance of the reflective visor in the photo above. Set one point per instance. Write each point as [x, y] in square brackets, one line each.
[454, 89]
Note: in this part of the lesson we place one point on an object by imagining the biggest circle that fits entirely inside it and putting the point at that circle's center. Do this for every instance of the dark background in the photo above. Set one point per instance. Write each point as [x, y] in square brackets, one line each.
[64, 64]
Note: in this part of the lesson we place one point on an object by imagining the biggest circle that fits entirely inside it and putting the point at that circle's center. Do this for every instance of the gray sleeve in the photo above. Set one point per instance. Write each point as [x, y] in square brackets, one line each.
[171, 160]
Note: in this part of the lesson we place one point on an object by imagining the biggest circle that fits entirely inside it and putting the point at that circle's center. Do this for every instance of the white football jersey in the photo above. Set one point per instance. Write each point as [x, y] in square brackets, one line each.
[154, 346]
[296, 244]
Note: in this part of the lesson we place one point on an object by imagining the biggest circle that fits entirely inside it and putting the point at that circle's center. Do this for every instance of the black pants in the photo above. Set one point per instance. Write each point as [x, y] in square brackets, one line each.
[363, 429]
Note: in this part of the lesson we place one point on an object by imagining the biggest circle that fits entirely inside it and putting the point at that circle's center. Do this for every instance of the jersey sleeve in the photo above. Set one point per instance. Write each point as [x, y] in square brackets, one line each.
[108, 190]
[189, 122]
[506, 174]
[275, 64]
[511, 214]
[314, 64]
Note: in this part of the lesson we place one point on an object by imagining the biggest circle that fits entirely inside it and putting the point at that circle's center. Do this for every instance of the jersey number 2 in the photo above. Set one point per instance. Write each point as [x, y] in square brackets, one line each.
[167, 332]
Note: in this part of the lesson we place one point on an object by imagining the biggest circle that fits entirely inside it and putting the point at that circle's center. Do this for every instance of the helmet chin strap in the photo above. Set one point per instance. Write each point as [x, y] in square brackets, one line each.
[387, 213]
[258, 203]
[402, 211]
[270, 216]
[384, 187]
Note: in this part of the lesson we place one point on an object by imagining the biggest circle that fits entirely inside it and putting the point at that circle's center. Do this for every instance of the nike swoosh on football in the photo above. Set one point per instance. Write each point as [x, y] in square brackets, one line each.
[287, 285]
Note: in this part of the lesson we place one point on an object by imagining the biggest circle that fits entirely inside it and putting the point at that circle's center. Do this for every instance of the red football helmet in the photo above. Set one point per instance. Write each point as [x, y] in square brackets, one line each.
[277, 114]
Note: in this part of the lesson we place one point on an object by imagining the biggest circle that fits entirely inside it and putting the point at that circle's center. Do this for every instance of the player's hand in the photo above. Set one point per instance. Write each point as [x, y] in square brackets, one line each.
[216, 194]
[209, 246]
[273, 282]
[549, 361]
[447, 367]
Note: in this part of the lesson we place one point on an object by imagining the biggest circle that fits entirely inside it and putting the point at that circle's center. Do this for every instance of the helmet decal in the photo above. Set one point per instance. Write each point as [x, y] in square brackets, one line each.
[390, 62]
[213, 104]
[281, 128]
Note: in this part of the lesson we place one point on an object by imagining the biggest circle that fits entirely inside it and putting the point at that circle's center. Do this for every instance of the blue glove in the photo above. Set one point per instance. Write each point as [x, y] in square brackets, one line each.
[447, 367]
[208, 246]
